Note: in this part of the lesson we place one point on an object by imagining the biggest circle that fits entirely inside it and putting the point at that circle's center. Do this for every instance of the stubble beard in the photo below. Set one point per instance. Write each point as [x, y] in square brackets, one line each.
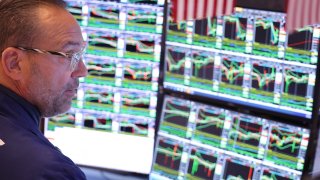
[54, 105]
[50, 102]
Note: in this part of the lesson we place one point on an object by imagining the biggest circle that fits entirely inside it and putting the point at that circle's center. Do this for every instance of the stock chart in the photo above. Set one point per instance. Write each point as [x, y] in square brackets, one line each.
[117, 102]
[220, 143]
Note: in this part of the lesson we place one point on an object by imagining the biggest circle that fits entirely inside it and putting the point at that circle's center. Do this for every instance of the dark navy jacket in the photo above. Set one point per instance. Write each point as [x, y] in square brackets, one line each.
[25, 154]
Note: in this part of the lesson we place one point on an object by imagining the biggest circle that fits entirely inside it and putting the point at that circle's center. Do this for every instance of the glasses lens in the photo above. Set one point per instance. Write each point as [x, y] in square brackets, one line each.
[76, 57]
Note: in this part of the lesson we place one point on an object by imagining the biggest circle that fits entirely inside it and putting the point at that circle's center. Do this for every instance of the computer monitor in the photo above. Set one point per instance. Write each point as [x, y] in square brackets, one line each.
[238, 97]
[111, 123]
[247, 60]
[201, 141]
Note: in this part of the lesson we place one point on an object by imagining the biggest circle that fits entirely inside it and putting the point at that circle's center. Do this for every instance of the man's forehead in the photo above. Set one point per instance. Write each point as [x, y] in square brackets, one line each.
[61, 28]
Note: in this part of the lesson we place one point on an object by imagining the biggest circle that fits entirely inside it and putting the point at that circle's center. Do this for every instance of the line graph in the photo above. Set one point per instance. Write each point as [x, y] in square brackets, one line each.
[175, 65]
[98, 100]
[102, 45]
[266, 38]
[295, 79]
[137, 76]
[295, 87]
[177, 32]
[234, 33]
[101, 73]
[235, 28]
[284, 145]
[134, 72]
[263, 76]
[271, 175]
[142, 20]
[175, 61]
[285, 141]
[134, 128]
[62, 120]
[97, 122]
[267, 32]
[139, 48]
[175, 117]
[142, 16]
[300, 45]
[232, 72]
[209, 125]
[237, 170]
[202, 71]
[205, 32]
[201, 164]
[135, 104]
[168, 157]
[104, 17]
[244, 135]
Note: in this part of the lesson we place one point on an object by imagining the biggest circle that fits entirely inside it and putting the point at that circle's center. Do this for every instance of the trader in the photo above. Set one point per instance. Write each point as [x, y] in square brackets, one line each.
[41, 49]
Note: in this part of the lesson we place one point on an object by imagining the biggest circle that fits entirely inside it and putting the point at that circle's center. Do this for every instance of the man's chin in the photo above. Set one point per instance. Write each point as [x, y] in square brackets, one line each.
[57, 110]
[65, 109]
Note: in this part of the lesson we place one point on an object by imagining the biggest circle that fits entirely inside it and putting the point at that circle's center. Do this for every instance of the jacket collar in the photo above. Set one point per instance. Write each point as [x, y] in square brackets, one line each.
[14, 106]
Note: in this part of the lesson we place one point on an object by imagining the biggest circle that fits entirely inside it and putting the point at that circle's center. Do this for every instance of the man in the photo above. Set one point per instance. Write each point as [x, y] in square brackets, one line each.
[41, 47]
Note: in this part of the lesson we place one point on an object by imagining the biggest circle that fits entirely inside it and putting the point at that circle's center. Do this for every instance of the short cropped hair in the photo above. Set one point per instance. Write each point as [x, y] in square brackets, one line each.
[18, 21]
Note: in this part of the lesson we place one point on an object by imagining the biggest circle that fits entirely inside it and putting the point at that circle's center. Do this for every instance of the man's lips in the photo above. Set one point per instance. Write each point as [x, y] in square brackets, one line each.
[71, 92]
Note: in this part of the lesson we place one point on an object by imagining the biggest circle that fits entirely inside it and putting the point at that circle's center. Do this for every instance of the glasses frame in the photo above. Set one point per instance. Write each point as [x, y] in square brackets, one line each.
[74, 58]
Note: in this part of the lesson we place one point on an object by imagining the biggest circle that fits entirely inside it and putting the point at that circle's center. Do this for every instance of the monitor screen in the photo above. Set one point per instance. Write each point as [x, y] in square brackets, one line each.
[245, 58]
[112, 120]
[201, 141]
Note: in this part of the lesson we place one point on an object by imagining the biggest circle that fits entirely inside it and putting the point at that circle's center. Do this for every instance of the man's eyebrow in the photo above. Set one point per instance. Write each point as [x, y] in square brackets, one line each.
[71, 44]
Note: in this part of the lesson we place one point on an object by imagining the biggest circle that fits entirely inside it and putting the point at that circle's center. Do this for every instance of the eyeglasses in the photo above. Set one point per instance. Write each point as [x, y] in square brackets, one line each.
[73, 57]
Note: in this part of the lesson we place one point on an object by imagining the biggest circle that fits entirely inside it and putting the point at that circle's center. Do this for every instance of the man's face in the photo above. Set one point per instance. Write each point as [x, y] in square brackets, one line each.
[49, 83]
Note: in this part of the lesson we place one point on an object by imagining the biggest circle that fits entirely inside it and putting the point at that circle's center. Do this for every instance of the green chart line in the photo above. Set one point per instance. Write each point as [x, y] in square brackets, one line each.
[100, 70]
[104, 14]
[267, 25]
[232, 71]
[197, 159]
[206, 121]
[106, 99]
[136, 16]
[240, 31]
[212, 27]
[138, 73]
[263, 78]
[230, 177]
[293, 77]
[175, 112]
[172, 64]
[200, 61]
[133, 100]
[94, 40]
[271, 177]
[241, 133]
[140, 46]
[174, 152]
[286, 138]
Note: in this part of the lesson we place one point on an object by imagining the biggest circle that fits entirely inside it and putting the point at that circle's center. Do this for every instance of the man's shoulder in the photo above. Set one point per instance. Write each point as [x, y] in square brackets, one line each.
[24, 145]
[29, 155]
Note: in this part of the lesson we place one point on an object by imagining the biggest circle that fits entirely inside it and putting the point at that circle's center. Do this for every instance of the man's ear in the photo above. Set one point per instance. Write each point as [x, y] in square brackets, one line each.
[11, 62]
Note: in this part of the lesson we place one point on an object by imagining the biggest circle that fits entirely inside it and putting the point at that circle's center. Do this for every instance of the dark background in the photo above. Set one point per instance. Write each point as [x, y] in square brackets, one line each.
[269, 5]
